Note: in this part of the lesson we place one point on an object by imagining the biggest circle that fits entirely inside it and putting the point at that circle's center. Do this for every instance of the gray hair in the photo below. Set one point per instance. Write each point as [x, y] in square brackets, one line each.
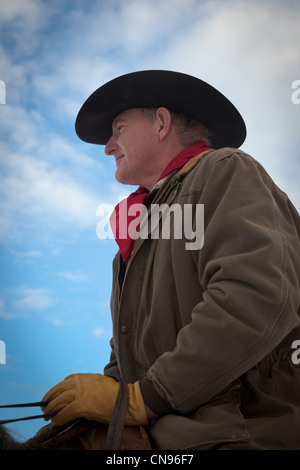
[189, 131]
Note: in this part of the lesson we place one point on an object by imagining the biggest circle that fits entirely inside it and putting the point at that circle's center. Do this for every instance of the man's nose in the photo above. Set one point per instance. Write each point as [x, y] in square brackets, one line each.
[110, 146]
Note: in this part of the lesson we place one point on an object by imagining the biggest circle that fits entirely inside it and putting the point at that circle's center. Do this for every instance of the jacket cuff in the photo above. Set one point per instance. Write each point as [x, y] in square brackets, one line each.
[153, 400]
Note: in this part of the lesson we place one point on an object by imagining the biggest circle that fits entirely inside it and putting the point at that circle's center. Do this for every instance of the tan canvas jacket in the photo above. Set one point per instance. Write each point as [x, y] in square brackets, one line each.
[213, 328]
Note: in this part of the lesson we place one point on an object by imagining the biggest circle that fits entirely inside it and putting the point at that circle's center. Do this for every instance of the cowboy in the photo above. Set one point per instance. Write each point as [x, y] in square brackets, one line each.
[202, 335]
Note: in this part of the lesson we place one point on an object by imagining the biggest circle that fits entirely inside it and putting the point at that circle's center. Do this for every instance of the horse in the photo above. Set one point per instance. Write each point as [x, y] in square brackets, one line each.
[78, 435]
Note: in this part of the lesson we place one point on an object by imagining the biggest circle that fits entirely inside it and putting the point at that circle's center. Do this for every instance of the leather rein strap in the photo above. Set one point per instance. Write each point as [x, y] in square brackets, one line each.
[117, 422]
[25, 405]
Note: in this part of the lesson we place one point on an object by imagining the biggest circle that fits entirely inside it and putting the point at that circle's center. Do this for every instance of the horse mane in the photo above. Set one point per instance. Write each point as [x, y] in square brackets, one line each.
[69, 437]
[81, 434]
[7, 442]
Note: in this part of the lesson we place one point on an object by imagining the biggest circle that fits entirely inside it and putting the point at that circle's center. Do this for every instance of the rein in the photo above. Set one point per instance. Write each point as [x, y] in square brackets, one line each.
[25, 405]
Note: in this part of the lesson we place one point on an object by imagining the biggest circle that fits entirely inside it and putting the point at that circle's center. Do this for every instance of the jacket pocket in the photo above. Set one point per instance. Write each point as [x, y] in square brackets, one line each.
[208, 428]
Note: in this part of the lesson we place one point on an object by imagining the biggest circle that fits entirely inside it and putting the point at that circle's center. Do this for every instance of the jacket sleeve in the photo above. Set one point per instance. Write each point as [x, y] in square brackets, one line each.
[248, 269]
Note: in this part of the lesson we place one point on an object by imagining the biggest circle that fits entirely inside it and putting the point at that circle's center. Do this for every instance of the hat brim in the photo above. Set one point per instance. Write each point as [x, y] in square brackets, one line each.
[175, 91]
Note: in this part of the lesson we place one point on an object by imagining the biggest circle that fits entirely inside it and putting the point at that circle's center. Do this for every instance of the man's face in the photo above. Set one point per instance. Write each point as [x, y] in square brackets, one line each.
[133, 145]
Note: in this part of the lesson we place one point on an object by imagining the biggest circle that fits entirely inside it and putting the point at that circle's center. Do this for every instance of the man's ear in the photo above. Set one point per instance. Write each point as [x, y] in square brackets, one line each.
[163, 118]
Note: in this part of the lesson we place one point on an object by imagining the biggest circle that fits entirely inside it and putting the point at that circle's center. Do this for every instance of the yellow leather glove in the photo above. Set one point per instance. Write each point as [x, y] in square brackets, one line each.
[92, 396]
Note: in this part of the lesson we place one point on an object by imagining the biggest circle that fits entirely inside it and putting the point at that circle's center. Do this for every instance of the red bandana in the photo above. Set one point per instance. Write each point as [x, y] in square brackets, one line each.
[122, 218]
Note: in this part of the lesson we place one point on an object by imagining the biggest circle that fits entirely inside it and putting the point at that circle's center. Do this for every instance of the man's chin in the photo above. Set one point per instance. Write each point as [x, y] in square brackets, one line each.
[122, 178]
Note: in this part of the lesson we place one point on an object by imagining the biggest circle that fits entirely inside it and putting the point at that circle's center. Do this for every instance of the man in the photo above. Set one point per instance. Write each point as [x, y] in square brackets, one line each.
[203, 333]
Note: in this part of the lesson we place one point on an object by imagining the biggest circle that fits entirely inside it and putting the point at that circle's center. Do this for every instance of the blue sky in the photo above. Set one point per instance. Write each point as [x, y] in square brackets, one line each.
[55, 275]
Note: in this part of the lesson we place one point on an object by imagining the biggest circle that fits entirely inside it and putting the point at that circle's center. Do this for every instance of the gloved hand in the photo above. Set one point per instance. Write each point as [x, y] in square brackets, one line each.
[92, 396]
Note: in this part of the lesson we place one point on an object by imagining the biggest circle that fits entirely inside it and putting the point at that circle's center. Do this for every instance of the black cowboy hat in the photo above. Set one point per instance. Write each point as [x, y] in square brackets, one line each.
[154, 88]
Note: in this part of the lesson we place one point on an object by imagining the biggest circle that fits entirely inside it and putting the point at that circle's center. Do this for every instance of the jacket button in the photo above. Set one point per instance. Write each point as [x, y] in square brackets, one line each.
[124, 329]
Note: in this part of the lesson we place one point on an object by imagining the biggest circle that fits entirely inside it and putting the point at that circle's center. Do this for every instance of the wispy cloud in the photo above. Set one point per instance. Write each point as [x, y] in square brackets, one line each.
[26, 254]
[10, 316]
[5, 314]
[100, 332]
[24, 11]
[33, 299]
[34, 190]
[73, 276]
[27, 257]
[56, 321]
[24, 18]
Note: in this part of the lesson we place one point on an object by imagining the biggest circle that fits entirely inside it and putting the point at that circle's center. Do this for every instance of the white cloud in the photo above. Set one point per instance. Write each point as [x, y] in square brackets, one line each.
[58, 321]
[100, 332]
[24, 18]
[73, 276]
[24, 300]
[3, 312]
[27, 9]
[27, 255]
[8, 315]
[45, 184]
[47, 195]
[36, 299]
